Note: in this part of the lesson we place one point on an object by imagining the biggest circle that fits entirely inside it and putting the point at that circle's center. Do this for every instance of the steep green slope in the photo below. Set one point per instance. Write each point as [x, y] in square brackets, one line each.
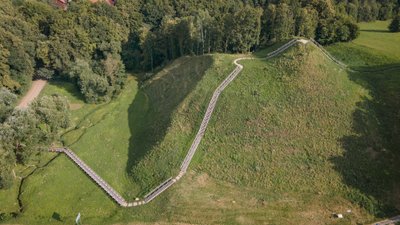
[375, 57]
[110, 137]
[277, 150]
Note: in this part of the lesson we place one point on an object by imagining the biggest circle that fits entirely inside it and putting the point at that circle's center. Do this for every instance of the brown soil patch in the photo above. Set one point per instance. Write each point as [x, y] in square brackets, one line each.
[34, 91]
[75, 106]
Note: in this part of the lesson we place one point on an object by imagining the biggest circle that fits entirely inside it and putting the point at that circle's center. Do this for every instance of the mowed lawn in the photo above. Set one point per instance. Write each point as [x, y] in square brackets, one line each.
[376, 36]
[375, 47]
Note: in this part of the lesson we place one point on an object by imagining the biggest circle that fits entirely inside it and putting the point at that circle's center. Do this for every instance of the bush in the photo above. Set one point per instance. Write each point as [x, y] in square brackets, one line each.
[336, 29]
[7, 102]
[44, 73]
[26, 132]
[99, 81]
[94, 87]
[395, 24]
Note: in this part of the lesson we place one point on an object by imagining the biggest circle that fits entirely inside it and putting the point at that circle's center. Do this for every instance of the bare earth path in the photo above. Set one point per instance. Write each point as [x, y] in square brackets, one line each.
[34, 91]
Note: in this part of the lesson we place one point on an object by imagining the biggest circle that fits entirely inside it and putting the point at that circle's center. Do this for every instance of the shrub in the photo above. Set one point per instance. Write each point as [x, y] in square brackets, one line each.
[395, 24]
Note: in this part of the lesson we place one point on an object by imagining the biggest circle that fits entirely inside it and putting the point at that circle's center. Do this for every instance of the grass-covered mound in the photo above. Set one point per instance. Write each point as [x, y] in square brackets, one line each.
[117, 138]
[376, 58]
[276, 150]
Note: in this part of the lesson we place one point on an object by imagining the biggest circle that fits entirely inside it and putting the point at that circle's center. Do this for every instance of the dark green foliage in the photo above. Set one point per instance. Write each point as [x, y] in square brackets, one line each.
[26, 132]
[52, 114]
[44, 73]
[395, 24]
[92, 86]
[243, 29]
[101, 83]
[39, 40]
[306, 22]
[37, 36]
[336, 30]
[5, 73]
[279, 24]
[310, 19]
[368, 10]
[7, 101]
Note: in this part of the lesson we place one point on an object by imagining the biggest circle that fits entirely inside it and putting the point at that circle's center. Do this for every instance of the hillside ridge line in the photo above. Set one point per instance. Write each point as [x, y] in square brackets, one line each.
[200, 133]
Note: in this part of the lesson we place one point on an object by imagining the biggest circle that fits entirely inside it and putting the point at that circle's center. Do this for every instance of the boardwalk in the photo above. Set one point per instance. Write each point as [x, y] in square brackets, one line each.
[390, 221]
[192, 150]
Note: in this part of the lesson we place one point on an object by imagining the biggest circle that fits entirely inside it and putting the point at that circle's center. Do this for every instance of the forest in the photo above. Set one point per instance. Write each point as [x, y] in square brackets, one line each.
[93, 45]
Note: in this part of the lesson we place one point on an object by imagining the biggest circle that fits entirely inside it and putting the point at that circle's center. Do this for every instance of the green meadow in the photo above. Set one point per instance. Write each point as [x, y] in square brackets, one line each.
[293, 140]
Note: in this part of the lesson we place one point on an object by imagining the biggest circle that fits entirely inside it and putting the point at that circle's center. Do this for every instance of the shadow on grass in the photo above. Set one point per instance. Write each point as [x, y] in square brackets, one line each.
[370, 164]
[378, 68]
[70, 88]
[151, 111]
[375, 31]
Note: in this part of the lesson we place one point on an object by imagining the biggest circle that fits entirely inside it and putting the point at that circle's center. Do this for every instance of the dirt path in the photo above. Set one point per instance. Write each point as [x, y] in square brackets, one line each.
[34, 91]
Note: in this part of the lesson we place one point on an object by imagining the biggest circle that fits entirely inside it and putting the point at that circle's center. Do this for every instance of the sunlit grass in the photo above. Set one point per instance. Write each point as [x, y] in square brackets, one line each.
[276, 150]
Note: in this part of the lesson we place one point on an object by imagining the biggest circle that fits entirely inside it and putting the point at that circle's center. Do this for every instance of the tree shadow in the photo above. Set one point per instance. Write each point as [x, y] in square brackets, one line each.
[151, 111]
[378, 68]
[369, 165]
[130, 53]
[69, 87]
[375, 31]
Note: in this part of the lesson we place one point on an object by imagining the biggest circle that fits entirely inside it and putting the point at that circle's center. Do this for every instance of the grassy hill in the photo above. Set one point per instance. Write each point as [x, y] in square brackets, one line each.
[293, 140]
[376, 57]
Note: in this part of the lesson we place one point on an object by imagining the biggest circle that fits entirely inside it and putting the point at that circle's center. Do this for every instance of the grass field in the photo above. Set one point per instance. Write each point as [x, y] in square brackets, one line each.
[376, 57]
[292, 141]
[376, 47]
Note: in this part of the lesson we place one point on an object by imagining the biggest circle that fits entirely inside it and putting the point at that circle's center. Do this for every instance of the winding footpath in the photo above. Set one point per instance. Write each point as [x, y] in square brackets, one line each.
[199, 136]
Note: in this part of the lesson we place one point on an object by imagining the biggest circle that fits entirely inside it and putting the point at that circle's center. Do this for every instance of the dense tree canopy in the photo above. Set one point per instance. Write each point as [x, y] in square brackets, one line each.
[7, 101]
[40, 40]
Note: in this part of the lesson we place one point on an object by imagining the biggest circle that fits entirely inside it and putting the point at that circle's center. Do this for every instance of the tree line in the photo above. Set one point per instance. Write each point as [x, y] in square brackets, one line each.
[93, 44]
